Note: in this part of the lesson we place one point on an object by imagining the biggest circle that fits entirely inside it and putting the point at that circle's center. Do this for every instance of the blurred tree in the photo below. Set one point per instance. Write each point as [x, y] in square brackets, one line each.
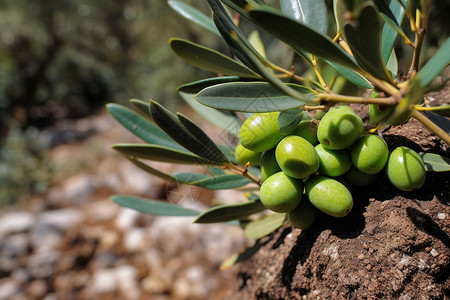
[67, 58]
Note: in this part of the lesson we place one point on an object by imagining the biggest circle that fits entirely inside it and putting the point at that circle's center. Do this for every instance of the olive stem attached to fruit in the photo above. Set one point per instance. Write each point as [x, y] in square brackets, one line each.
[243, 172]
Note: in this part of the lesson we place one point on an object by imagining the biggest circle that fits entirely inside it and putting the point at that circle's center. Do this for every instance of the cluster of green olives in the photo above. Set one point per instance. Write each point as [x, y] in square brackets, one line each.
[314, 166]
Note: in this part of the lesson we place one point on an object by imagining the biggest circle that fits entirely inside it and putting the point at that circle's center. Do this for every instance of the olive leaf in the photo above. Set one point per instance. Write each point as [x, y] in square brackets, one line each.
[141, 127]
[312, 13]
[251, 97]
[388, 34]
[264, 226]
[218, 182]
[364, 39]
[192, 138]
[194, 15]
[225, 213]
[153, 207]
[289, 119]
[435, 163]
[209, 59]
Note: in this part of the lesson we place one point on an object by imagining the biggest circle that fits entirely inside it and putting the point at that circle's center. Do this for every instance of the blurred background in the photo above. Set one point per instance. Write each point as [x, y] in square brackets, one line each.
[60, 235]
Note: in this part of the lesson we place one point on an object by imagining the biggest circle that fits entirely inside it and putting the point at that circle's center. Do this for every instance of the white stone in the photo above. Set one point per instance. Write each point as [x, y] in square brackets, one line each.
[14, 222]
[102, 210]
[62, 218]
[135, 239]
[8, 289]
[42, 264]
[441, 216]
[103, 281]
[78, 189]
[126, 218]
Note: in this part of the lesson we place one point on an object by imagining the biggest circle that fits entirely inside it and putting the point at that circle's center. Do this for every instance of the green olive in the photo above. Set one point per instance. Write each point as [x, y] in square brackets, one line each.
[304, 215]
[339, 129]
[269, 165]
[333, 163]
[307, 130]
[329, 196]
[405, 169]
[370, 154]
[244, 156]
[297, 157]
[281, 193]
[260, 132]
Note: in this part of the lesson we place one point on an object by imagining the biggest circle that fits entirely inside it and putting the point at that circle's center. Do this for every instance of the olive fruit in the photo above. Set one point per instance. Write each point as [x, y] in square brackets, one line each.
[260, 132]
[244, 156]
[281, 193]
[405, 169]
[307, 130]
[370, 154]
[304, 215]
[339, 129]
[297, 157]
[329, 196]
[357, 178]
[269, 165]
[333, 163]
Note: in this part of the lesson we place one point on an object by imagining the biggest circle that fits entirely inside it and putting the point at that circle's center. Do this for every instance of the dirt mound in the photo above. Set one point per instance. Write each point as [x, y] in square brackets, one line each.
[393, 245]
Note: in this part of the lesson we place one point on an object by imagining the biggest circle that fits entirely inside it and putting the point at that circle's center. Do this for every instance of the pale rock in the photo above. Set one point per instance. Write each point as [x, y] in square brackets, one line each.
[62, 218]
[78, 189]
[138, 182]
[135, 239]
[103, 281]
[126, 218]
[43, 264]
[154, 285]
[101, 211]
[15, 222]
[37, 289]
[8, 289]
[127, 280]
[45, 237]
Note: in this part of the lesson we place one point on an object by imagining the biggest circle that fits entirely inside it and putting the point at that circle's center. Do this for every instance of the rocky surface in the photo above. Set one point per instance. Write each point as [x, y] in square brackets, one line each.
[73, 242]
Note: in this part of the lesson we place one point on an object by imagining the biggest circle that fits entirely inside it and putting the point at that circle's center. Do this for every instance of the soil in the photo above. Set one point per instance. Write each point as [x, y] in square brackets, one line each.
[393, 244]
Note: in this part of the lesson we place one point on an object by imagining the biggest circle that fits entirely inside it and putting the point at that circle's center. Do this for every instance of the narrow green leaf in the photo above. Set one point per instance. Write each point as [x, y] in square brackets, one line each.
[312, 13]
[439, 120]
[289, 119]
[141, 127]
[220, 182]
[154, 207]
[443, 110]
[249, 252]
[249, 97]
[385, 10]
[352, 76]
[149, 169]
[435, 163]
[435, 65]
[264, 226]
[363, 37]
[209, 145]
[301, 36]
[197, 86]
[142, 107]
[388, 34]
[194, 15]
[343, 9]
[392, 64]
[255, 40]
[225, 213]
[209, 59]
[227, 28]
[170, 123]
[160, 153]
[228, 122]
[393, 24]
